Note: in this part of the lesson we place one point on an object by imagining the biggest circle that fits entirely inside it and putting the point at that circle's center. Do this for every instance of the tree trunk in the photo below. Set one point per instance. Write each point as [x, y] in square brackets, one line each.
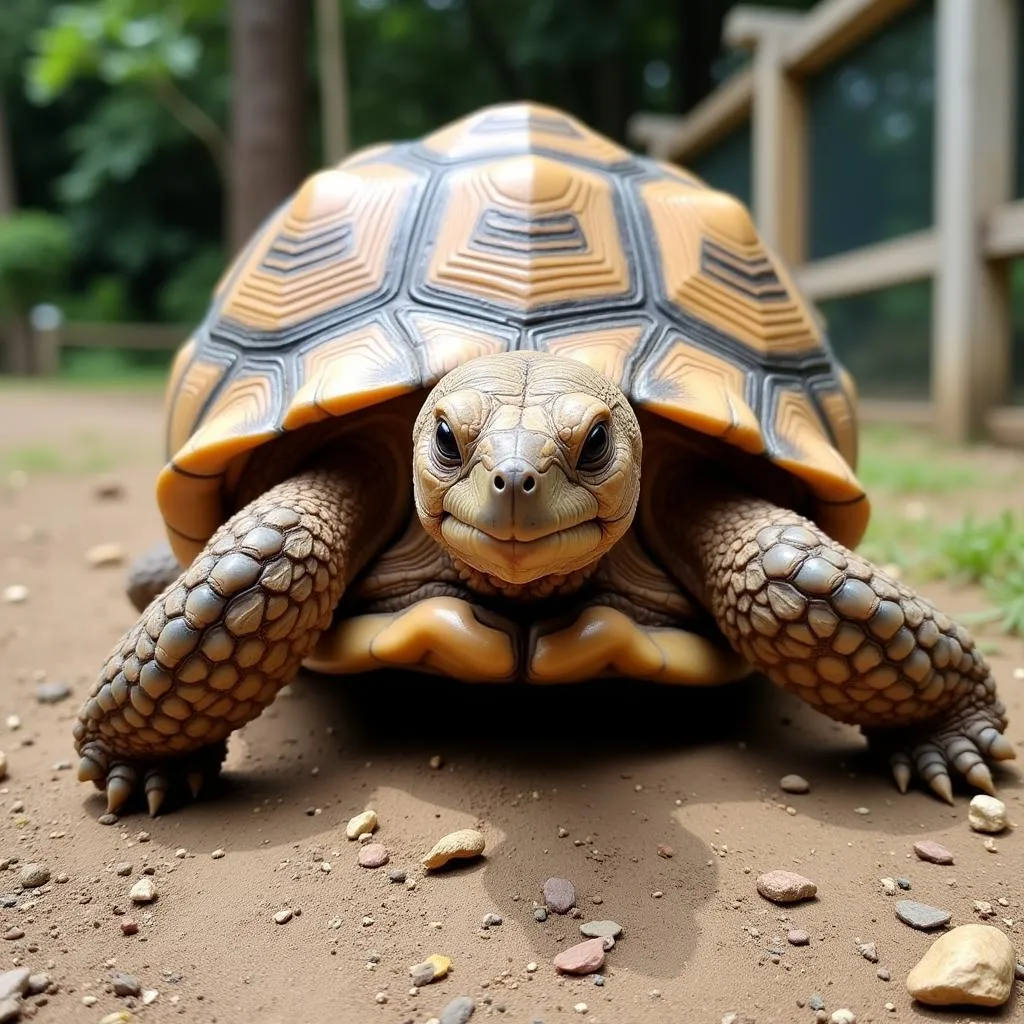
[268, 110]
[330, 34]
[12, 359]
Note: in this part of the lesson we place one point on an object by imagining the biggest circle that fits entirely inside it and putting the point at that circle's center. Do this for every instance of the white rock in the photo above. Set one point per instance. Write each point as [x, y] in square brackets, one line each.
[15, 594]
[843, 1016]
[143, 891]
[986, 814]
[970, 965]
[361, 823]
[100, 556]
[463, 843]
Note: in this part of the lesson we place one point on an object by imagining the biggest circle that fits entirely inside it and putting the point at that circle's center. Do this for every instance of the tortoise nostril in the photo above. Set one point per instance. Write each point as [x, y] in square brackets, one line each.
[528, 484]
[499, 482]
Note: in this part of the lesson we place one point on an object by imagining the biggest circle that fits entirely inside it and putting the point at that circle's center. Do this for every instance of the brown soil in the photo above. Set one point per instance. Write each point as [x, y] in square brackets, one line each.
[622, 768]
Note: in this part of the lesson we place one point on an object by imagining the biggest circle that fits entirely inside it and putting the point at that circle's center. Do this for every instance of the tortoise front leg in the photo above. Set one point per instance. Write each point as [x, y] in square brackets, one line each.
[211, 652]
[826, 624]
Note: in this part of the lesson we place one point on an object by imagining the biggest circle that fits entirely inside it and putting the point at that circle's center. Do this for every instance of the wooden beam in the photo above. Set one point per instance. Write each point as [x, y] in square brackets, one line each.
[681, 138]
[1006, 425]
[834, 27]
[975, 141]
[912, 257]
[1003, 231]
[780, 132]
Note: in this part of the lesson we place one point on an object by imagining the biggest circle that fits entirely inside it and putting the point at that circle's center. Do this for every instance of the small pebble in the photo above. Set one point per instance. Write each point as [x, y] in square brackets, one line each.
[843, 1016]
[100, 556]
[491, 920]
[903, 883]
[797, 937]
[362, 823]
[921, 916]
[38, 983]
[816, 1002]
[143, 891]
[217, 854]
[868, 951]
[129, 927]
[436, 761]
[601, 929]
[559, 895]
[13, 934]
[580, 1007]
[123, 869]
[665, 851]
[421, 974]
[283, 916]
[883, 974]
[986, 814]
[108, 488]
[785, 887]
[15, 594]
[52, 693]
[794, 784]
[462, 844]
[14, 983]
[373, 855]
[396, 875]
[458, 1011]
[33, 875]
[126, 984]
[583, 958]
[936, 853]
[540, 914]
[889, 886]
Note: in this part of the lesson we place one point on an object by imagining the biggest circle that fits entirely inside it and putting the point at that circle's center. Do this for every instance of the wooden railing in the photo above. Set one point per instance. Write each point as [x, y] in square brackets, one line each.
[978, 227]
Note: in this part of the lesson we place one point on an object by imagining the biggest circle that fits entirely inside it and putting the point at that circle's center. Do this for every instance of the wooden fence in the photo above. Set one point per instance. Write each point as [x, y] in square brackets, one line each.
[977, 228]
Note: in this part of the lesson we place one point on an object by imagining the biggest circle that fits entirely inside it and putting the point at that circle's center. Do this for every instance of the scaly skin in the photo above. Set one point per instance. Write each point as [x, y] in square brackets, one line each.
[211, 652]
[826, 624]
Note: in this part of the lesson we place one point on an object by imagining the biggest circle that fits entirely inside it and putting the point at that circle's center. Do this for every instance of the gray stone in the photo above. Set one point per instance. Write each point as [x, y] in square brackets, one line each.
[125, 984]
[816, 1002]
[797, 937]
[396, 875]
[492, 920]
[52, 693]
[33, 875]
[540, 914]
[559, 895]
[903, 883]
[794, 784]
[458, 1011]
[14, 983]
[921, 916]
[600, 929]
[422, 974]
[868, 951]
[38, 983]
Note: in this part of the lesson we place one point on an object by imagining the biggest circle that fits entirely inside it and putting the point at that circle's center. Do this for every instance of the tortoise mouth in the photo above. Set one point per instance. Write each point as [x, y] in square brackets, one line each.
[522, 561]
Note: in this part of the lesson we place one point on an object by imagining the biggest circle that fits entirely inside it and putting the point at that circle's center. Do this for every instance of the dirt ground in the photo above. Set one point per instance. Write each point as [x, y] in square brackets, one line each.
[621, 768]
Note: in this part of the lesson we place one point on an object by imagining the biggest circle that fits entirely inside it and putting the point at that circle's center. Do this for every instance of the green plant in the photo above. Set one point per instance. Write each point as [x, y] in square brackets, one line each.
[35, 252]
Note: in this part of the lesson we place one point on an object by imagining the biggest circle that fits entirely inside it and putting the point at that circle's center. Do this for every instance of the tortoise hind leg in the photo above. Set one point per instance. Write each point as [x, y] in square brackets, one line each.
[153, 571]
[826, 624]
[212, 650]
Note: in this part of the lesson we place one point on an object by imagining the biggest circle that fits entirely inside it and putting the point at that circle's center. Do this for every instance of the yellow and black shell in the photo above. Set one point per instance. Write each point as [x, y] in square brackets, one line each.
[516, 227]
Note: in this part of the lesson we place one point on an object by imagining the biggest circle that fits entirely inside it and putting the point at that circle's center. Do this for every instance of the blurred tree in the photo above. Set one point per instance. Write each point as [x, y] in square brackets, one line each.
[35, 250]
[269, 109]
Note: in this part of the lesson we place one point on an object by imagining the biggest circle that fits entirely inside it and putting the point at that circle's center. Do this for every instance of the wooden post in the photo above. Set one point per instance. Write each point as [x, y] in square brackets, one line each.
[974, 159]
[779, 128]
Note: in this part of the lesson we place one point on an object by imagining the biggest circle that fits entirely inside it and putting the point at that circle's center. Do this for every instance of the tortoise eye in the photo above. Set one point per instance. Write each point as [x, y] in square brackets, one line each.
[595, 448]
[447, 446]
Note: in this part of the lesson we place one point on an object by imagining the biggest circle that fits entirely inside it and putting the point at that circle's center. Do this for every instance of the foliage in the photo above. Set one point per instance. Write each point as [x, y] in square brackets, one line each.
[35, 251]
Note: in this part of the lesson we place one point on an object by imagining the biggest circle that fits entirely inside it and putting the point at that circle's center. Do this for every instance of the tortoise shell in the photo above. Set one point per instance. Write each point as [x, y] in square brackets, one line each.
[514, 227]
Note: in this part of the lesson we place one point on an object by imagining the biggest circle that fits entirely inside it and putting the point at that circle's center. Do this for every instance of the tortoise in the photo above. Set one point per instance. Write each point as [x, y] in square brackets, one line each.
[510, 402]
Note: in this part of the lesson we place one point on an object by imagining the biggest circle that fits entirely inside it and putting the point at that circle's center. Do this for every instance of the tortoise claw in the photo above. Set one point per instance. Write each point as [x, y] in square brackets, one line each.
[1000, 748]
[981, 777]
[195, 782]
[90, 771]
[156, 790]
[902, 770]
[121, 782]
[942, 785]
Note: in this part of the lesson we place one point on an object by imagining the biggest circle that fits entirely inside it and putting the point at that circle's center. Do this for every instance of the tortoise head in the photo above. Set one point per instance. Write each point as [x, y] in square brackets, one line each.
[526, 465]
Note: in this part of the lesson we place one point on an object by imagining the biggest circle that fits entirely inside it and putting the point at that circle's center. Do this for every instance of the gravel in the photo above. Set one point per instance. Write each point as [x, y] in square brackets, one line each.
[52, 693]
[935, 853]
[785, 887]
[559, 895]
[921, 916]
[798, 937]
[126, 984]
[373, 855]
[794, 784]
[600, 929]
[458, 1011]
